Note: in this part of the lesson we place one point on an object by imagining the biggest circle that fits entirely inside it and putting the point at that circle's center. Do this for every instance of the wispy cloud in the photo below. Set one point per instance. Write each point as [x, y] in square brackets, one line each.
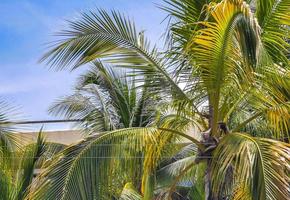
[24, 15]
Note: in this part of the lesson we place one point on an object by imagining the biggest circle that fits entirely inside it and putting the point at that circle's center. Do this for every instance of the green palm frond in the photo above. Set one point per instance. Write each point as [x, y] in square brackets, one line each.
[264, 9]
[183, 18]
[51, 150]
[260, 164]
[112, 37]
[88, 105]
[6, 185]
[8, 139]
[106, 100]
[184, 173]
[120, 90]
[215, 48]
[28, 163]
[16, 178]
[93, 36]
[168, 174]
[91, 168]
[273, 17]
[129, 193]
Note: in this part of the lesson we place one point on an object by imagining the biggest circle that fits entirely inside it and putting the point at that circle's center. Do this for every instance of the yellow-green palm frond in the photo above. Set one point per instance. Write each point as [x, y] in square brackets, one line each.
[273, 17]
[129, 193]
[98, 166]
[16, 178]
[274, 90]
[241, 192]
[228, 41]
[268, 99]
[30, 158]
[154, 154]
[262, 165]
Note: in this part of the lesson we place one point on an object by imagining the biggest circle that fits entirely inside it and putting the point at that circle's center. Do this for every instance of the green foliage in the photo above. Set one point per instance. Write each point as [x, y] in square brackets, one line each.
[256, 163]
[107, 100]
[17, 173]
[225, 62]
[99, 166]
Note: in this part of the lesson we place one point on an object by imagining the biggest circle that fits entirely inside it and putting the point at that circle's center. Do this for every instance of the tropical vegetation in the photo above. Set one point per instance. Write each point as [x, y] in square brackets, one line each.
[106, 99]
[20, 158]
[220, 121]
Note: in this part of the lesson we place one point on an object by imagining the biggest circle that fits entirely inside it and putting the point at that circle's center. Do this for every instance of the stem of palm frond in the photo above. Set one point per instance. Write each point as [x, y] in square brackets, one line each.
[244, 123]
[199, 144]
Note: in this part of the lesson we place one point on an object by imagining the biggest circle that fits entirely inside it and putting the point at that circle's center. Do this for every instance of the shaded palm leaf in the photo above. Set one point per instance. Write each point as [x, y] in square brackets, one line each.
[273, 17]
[129, 193]
[260, 164]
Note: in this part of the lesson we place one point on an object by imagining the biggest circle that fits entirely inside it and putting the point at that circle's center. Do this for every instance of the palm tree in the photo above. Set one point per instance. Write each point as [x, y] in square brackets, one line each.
[225, 71]
[107, 100]
[8, 141]
[19, 169]
[17, 176]
[18, 162]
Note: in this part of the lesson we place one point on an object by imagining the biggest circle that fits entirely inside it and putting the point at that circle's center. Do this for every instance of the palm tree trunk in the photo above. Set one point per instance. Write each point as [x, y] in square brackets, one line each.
[208, 185]
[207, 181]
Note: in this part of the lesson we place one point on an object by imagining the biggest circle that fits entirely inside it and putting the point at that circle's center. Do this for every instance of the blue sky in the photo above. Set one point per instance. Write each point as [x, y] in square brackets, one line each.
[27, 25]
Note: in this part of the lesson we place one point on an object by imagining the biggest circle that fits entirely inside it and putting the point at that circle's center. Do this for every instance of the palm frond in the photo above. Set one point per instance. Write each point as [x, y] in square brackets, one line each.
[129, 193]
[106, 99]
[8, 139]
[112, 37]
[183, 17]
[167, 174]
[88, 105]
[28, 163]
[90, 169]
[241, 193]
[212, 44]
[16, 178]
[183, 173]
[273, 17]
[259, 164]
[268, 100]
[5, 184]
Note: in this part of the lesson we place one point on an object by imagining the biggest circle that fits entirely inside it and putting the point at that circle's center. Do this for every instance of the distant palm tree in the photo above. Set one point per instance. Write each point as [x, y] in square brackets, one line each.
[20, 167]
[18, 161]
[17, 175]
[107, 100]
[8, 141]
[225, 71]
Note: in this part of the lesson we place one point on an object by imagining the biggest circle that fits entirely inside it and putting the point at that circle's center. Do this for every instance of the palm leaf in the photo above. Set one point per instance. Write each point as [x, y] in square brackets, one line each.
[90, 169]
[273, 17]
[31, 156]
[259, 164]
[114, 37]
[106, 99]
[129, 193]
[216, 42]
[8, 139]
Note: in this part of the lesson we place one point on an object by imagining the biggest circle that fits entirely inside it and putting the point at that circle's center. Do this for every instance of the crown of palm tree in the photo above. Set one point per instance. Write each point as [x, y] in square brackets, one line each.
[225, 69]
